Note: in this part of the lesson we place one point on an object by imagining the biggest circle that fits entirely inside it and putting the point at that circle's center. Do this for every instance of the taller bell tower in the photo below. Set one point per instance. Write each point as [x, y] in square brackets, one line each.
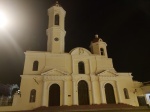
[56, 32]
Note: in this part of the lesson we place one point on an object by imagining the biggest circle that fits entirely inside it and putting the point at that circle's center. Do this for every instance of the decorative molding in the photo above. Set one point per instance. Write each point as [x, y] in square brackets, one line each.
[94, 78]
[55, 78]
[55, 72]
[107, 73]
[80, 51]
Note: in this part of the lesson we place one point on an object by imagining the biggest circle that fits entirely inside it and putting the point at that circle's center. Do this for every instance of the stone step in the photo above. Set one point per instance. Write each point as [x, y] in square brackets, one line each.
[93, 108]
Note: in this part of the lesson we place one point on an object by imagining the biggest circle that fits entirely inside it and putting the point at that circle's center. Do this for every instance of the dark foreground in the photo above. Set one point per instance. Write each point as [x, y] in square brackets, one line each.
[93, 108]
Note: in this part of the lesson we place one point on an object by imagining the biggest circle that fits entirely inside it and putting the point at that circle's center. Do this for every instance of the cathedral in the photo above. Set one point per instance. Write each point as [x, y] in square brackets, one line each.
[80, 77]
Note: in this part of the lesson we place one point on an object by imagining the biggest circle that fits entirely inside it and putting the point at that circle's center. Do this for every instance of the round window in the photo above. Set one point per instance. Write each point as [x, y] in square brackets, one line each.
[56, 39]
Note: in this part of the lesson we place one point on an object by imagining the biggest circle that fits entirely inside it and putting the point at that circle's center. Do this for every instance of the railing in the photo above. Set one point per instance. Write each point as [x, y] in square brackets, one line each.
[6, 101]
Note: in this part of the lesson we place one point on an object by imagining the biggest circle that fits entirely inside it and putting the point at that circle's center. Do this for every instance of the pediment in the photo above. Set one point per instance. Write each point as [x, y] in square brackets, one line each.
[80, 51]
[54, 72]
[107, 73]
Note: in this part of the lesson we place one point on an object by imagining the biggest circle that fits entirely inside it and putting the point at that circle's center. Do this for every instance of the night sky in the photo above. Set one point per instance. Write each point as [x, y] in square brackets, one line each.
[123, 24]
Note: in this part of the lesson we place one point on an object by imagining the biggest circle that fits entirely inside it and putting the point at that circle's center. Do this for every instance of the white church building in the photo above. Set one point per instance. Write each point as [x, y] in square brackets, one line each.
[80, 77]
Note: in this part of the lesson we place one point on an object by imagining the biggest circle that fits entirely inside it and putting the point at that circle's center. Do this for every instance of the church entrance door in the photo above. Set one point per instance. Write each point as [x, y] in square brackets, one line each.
[141, 100]
[54, 95]
[109, 91]
[83, 93]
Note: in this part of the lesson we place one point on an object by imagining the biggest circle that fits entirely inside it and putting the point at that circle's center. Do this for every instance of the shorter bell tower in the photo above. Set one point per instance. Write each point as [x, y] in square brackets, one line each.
[56, 32]
[98, 46]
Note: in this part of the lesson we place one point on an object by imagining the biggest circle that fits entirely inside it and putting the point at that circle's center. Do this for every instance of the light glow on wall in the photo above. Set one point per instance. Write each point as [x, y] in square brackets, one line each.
[148, 98]
[3, 19]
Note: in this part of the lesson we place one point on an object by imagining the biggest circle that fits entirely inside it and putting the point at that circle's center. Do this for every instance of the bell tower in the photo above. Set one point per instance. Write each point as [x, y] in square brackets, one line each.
[56, 32]
[98, 47]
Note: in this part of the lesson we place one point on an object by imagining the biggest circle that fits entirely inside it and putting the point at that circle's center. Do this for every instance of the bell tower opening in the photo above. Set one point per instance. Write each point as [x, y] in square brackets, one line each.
[56, 19]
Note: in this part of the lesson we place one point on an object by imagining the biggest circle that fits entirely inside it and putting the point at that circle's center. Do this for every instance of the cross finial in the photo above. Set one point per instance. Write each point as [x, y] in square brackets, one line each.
[57, 4]
[96, 36]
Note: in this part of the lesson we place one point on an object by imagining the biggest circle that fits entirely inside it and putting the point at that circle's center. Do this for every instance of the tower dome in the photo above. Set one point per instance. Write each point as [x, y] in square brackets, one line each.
[96, 39]
[98, 46]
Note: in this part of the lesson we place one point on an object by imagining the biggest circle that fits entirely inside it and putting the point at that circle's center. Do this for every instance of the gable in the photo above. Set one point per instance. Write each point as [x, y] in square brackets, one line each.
[80, 51]
[54, 72]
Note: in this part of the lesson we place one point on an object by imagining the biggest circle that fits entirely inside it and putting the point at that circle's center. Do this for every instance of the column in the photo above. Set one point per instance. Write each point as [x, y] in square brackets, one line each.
[43, 94]
[93, 92]
[64, 103]
[102, 89]
[119, 97]
[74, 93]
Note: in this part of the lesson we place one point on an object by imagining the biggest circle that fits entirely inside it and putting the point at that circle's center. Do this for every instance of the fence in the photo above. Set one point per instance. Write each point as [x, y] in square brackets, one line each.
[6, 100]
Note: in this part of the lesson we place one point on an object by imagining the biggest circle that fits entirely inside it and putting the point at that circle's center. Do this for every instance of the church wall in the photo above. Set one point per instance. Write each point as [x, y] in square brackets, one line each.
[25, 88]
[76, 60]
[69, 63]
[138, 89]
[47, 61]
[58, 61]
[96, 93]
[103, 82]
[93, 64]
[30, 57]
[56, 46]
[119, 83]
[125, 81]
[68, 92]
[103, 64]
[95, 49]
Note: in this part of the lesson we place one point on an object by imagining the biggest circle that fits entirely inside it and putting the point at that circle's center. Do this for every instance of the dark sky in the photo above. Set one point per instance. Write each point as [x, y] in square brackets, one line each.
[123, 24]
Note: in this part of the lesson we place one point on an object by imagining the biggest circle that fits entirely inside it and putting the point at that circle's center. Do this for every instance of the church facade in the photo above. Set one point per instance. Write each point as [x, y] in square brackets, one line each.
[80, 77]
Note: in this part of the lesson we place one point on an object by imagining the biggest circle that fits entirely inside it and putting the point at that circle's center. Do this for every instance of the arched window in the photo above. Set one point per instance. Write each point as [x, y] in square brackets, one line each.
[32, 95]
[35, 65]
[126, 94]
[81, 68]
[102, 51]
[56, 19]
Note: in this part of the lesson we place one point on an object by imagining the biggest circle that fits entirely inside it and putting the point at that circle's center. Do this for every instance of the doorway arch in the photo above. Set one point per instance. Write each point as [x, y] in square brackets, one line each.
[54, 95]
[110, 96]
[83, 93]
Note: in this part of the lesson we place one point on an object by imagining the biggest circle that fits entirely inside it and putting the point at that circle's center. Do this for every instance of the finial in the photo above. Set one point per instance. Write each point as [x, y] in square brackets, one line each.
[96, 36]
[57, 4]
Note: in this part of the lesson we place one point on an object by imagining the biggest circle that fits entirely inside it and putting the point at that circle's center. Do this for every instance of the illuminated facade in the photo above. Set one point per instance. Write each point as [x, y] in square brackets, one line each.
[80, 77]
